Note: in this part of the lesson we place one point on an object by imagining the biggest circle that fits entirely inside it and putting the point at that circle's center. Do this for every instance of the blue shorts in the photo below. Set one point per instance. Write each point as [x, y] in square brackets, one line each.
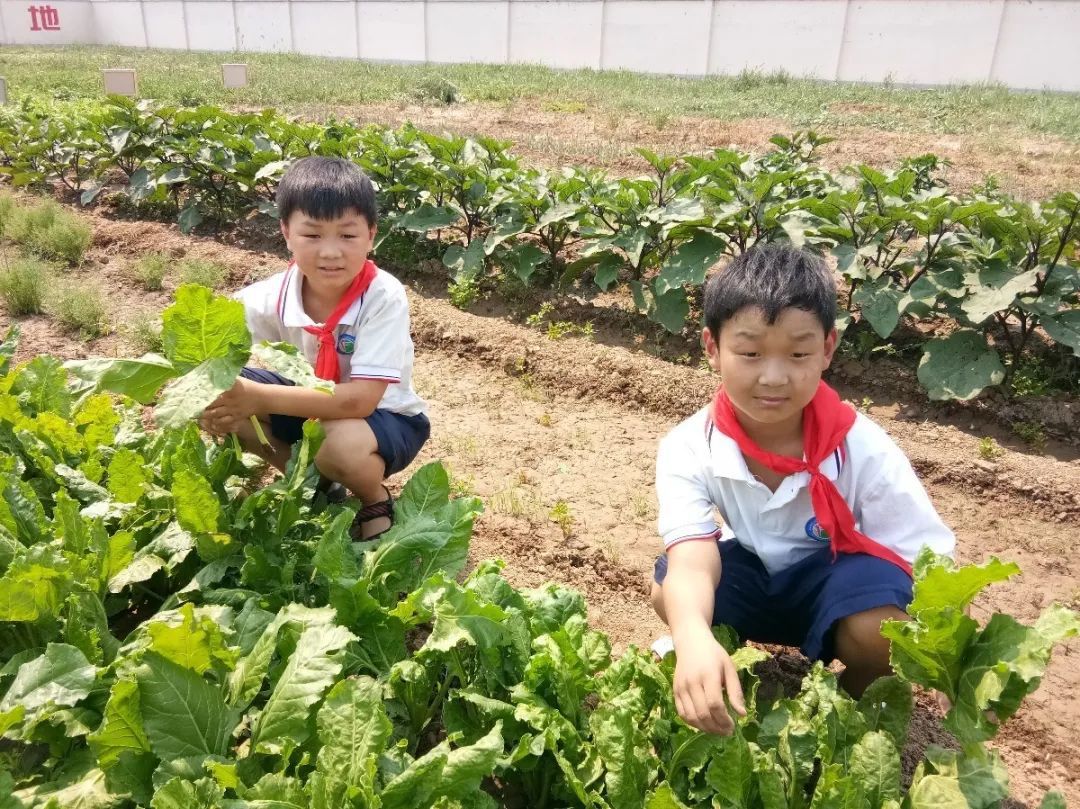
[800, 606]
[399, 438]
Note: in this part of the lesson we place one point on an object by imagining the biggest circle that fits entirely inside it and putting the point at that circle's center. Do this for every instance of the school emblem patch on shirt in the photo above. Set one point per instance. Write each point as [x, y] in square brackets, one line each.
[815, 531]
[346, 343]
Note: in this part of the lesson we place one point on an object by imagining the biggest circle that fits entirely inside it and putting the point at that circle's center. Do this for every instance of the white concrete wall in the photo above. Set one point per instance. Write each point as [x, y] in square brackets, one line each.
[1029, 44]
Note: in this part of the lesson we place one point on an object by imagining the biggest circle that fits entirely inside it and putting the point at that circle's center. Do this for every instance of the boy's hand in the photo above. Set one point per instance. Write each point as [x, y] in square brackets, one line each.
[229, 410]
[703, 673]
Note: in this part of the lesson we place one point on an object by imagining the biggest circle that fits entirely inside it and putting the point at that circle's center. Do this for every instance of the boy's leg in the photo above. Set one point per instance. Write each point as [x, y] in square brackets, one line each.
[855, 593]
[350, 455]
[864, 651]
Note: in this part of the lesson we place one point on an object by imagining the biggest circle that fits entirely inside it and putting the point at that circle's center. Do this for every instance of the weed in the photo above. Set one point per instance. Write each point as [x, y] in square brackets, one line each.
[144, 333]
[8, 208]
[49, 231]
[24, 286]
[988, 448]
[463, 293]
[80, 309]
[561, 516]
[438, 89]
[567, 107]
[557, 329]
[462, 485]
[516, 501]
[540, 315]
[866, 404]
[204, 273]
[1031, 433]
[544, 419]
[641, 507]
[150, 271]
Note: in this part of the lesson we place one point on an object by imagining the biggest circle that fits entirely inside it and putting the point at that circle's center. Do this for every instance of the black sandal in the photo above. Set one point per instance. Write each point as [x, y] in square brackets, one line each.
[384, 508]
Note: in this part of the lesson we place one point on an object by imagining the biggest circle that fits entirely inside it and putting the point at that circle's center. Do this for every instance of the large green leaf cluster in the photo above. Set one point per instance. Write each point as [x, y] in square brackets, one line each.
[992, 275]
[174, 635]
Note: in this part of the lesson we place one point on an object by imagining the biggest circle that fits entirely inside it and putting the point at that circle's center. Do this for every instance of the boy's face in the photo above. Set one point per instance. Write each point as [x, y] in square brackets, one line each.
[329, 252]
[770, 371]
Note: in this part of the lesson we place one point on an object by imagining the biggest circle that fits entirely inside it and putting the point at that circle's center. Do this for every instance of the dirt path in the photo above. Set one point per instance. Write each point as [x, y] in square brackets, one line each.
[528, 423]
[552, 136]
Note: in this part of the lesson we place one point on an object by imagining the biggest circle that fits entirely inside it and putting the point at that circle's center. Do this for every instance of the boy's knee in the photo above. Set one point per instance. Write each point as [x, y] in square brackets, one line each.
[859, 635]
[348, 448]
[656, 596]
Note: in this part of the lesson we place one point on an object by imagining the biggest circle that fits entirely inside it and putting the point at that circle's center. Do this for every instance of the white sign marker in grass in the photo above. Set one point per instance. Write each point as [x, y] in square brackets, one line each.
[120, 81]
[234, 76]
[3, 90]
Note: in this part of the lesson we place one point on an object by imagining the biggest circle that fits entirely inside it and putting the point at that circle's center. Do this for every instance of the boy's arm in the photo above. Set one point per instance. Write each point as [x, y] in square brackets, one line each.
[703, 669]
[350, 400]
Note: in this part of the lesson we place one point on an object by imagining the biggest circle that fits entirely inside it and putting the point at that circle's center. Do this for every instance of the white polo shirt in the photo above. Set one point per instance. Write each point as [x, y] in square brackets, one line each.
[373, 338]
[700, 471]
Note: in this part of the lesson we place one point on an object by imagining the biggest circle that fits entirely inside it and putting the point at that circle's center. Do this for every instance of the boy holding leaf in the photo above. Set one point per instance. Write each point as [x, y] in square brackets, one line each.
[822, 514]
[351, 321]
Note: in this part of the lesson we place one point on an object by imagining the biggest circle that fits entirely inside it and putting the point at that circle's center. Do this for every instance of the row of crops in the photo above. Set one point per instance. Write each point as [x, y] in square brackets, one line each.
[995, 279]
[175, 635]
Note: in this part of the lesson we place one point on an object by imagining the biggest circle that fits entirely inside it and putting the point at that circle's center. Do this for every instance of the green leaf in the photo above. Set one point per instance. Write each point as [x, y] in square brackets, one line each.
[670, 309]
[887, 704]
[197, 507]
[182, 794]
[690, 261]
[184, 716]
[875, 766]
[959, 366]
[1064, 328]
[1053, 800]
[8, 347]
[427, 217]
[992, 290]
[353, 729]
[465, 263]
[185, 398]
[60, 677]
[941, 584]
[287, 360]
[42, 383]
[140, 379]
[663, 797]
[523, 259]
[880, 305]
[202, 326]
[196, 643]
[127, 478]
[623, 747]
[121, 729]
[426, 492]
[312, 668]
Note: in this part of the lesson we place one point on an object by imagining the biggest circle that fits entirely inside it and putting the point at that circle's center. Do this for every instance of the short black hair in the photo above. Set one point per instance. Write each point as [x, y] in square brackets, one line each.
[771, 277]
[326, 188]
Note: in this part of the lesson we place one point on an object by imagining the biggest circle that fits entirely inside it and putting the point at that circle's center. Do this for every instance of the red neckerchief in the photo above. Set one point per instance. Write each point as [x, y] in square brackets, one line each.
[326, 364]
[826, 421]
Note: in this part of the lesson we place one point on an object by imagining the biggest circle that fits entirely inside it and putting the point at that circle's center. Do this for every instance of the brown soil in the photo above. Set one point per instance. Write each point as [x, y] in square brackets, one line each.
[528, 423]
[1032, 168]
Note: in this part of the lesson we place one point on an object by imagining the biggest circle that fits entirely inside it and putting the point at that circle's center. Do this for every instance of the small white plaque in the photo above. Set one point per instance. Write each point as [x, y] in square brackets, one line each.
[3, 90]
[234, 76]
[120, 81]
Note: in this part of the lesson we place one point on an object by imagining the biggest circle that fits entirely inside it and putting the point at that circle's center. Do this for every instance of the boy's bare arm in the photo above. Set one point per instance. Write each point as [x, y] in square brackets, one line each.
[703, 671]
[351, 400]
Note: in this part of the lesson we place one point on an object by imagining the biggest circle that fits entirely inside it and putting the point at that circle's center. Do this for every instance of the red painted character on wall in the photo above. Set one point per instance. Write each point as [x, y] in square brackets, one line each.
[44, 18]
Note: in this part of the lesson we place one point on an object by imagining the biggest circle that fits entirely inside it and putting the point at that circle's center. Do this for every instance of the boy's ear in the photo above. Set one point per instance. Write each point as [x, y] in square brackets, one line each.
[712, 348]
[831, 340]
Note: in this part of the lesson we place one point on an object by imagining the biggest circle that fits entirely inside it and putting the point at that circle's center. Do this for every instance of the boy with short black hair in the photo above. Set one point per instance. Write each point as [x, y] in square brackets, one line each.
[822, 513]
[351, 320]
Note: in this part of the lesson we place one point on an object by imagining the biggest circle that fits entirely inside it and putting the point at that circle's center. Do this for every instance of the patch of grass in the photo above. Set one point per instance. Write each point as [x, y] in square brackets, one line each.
[516, 501]
[150, 271]
[204, 273]
[544, 419]
[295, 83]
[560, 515]
[80, 310]
[143, 332]
[50, 231]
[24, 286]
[8, 207]
[1032, 434]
